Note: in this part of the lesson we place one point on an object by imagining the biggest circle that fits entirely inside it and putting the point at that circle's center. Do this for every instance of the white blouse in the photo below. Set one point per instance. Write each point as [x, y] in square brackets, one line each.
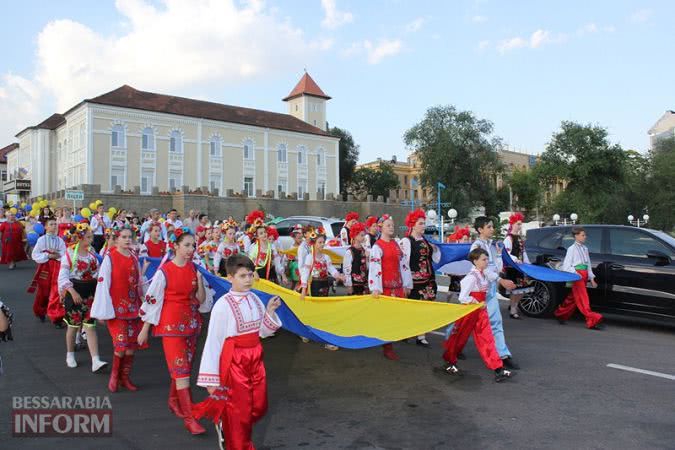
[220, 253]
[406, 248]
[347, 260]
[276, 260]
[474, 281]
[47, 242]
[234, 314]
[102, 308]
[495, 263]
[508, 246]
[577, 254]
[307, 268]
[375, 270]
[67, 273]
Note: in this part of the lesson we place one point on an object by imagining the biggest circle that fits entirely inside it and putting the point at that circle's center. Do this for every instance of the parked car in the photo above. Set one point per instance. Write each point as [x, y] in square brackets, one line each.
[634, 270]
[331, 225]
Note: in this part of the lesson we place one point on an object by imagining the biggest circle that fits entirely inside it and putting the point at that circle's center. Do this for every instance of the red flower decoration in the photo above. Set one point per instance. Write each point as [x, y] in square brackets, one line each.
[100, 279]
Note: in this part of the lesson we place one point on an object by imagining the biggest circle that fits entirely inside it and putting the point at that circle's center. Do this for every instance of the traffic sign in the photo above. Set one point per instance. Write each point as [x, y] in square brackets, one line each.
[75, 195]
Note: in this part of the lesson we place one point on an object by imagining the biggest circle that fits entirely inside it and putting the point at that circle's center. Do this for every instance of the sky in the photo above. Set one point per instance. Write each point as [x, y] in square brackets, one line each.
[524, 65]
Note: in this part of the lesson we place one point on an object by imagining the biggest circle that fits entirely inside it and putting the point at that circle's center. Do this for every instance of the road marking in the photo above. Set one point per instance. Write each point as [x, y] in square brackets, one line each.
[642, 371]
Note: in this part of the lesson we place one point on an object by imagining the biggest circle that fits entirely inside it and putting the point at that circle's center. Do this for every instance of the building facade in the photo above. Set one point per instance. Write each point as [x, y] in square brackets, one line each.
[664, 128]
[408, 173]
[131, 138]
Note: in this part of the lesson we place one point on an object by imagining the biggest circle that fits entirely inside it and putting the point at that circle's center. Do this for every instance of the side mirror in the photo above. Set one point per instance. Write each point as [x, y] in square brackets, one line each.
[661, 258]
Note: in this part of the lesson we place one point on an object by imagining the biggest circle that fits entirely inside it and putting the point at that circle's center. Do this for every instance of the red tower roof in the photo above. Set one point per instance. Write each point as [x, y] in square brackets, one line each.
[306, 86]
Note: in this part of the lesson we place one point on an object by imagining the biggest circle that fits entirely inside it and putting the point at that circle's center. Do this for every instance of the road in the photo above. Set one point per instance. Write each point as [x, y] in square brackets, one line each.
[564, 397]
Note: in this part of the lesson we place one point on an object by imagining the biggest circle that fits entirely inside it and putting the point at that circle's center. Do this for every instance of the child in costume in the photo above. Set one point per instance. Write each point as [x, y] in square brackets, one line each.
[47, 253]
[264, 256]
[514, 244]
[227, 247]
[154, 247]
[355, 262]
[13, 238]
[350, 219]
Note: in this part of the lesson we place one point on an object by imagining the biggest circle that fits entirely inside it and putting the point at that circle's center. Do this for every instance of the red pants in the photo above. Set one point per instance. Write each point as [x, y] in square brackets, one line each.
[179, 352]
[124, 334]
[477, 323]
[44, 282]
[578, 298]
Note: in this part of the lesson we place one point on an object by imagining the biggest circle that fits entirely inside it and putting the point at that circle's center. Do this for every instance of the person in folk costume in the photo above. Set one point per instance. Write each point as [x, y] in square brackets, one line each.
[154, 247]
[207, 250]
[474, 290]
[388, 272]
[171, 307]
[355, 262]
[200, 234]
[13, 238]
[117, 300]
[247, 238]
[227, 247]
[232, 367]
[264, 256]
[514, 244]
[459, 236]
[145, 228]
[317, 268]
[292, 266]
[99, 223]
[350, 219]
[64, 221]
[485, 229]
[372, 232]
[577, 260]
[76, 287]
[419, 255]
[47, 254]
[110, 238]
[6, 320]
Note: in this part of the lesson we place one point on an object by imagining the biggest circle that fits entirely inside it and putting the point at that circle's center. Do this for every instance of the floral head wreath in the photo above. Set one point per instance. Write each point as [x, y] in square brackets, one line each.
[297, 229]
[315, 234]
[370, 221]
[273, 233]
[514, 218]
[412, 218]
[357, 228]
[351, 216]
[257, 223]
[178, 232]
[383, 219]
[118, 228]
[229, 224]
[255, 216]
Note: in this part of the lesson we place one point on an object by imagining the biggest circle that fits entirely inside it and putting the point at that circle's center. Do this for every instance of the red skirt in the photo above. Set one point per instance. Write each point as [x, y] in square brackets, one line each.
[12, 250]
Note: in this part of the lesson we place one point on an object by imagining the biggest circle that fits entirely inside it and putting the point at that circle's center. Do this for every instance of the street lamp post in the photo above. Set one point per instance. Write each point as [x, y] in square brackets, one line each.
[633, 221]
[573, 219]
[439, 187]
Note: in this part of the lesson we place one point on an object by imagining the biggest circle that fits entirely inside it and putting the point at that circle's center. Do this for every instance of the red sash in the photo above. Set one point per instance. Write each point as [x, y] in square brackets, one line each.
[479, 295]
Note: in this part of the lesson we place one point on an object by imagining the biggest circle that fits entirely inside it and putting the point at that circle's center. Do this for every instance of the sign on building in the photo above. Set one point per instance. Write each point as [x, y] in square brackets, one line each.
[15, 186]
[75, 195]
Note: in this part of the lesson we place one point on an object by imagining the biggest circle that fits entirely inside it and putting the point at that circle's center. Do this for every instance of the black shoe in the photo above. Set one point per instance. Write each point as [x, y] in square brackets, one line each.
[509, 363]
[452, 369]
[461, 356]
[502, 374]
[42, 319]
[422, 342]
[598, 327]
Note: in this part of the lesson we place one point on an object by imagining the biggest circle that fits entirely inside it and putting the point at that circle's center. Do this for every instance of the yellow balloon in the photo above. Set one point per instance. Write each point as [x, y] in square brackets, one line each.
[23, 204]
[112, 210]
[39, 199]
[92, 206]
[44, 204]
[53, 203]
[13, 210]
[35, 205]
[85, 212]
[98, 202]
[34, 212]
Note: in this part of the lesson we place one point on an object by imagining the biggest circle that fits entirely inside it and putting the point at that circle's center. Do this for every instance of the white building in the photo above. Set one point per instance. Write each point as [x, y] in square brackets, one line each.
[130, 138]
[663, 128]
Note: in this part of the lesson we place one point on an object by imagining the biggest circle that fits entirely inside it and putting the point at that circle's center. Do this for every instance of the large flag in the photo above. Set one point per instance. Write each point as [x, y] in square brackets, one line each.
[540, 273]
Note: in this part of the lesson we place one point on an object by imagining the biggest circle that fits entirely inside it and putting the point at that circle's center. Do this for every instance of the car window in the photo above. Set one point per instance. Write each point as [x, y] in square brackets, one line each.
[284, 227]
[593, 239]
[633, 243]
[336, 227]
[552, 240]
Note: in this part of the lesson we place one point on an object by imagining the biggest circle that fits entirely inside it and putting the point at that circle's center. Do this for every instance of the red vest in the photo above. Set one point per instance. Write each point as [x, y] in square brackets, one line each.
[180, 310]
[155, 250]
[391, 264]
[124, 285]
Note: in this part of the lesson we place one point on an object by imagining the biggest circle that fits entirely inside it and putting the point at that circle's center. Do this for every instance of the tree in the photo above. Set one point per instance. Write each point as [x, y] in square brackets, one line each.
[349, 155]
[373, 181]
[661, 185]
[596, 172]
[526, 188]
[457, 149]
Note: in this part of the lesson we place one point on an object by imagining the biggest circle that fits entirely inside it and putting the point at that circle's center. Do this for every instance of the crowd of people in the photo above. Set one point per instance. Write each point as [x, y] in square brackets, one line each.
[93, 270]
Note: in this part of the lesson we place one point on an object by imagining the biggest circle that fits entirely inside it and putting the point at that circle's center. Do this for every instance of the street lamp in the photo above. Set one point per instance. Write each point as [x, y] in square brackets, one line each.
[637, 222]
[573, 219]
[452, 214]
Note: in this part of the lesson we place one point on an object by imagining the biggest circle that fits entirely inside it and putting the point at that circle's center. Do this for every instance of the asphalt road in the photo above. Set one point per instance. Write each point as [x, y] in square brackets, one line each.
[565, 396]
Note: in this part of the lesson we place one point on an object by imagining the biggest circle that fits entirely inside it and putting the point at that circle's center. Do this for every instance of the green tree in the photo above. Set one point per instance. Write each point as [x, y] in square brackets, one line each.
[526, 188]
[349, 155]
[373, 181]
[459, 150]
[661, 185]
[595, 169]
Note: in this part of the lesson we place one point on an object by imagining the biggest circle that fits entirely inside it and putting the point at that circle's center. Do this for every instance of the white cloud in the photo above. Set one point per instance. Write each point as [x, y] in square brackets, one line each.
[159, 49]
[641, 16]
[334, 18]
[375, 52]
[483, 45]
[479, 19]
[536, 40]
[593, 28]
[511, 44]
[415, 25]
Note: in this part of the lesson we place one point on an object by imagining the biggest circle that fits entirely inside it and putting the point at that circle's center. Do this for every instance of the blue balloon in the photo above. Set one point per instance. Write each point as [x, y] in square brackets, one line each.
[28, 208]
[32, 238]
[39, 229]
[78, 218]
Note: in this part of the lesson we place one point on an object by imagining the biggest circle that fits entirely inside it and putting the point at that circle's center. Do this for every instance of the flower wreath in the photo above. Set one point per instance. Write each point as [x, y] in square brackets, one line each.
[315, 234]
[178, 232]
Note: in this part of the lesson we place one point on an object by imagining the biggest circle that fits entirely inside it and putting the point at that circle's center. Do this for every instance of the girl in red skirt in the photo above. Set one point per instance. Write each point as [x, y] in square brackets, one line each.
[13, 239]
[154, 247]
[172, 306]
[118, 300]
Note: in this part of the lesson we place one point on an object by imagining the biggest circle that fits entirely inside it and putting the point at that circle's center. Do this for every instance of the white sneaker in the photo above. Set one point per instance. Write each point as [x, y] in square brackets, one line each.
[97, 365]
[304, 339]
[332, 348]
[70, 360]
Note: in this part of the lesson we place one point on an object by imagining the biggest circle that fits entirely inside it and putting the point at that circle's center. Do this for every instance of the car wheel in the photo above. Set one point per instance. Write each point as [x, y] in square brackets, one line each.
[541, 302]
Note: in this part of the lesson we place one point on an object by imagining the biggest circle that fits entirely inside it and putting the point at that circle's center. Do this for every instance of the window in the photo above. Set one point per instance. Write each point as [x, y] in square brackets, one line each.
[593, 240]
[282, 151]
[302, 189]
[176, 142]
[147, 181]
[83, 135]
[282, 186]
[215, 147]
[248, 186]
[214, 183]
[3, 175]
[116, 178]
[314, 122]
[302, 155]
[148, 139]
[320, 157]
[634, 243]
[117, 139]
[248, 150]
[337, 227]
[322, 189]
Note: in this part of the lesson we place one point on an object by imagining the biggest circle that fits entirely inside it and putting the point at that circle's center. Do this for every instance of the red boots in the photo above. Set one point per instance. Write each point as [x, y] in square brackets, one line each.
[119, 373]
[185, 404]
[114, 373]
[389, 353]
[174, 405]
[125, 381]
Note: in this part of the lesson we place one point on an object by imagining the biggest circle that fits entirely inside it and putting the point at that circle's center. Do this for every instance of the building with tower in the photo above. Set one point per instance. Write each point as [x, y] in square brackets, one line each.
[131, 140]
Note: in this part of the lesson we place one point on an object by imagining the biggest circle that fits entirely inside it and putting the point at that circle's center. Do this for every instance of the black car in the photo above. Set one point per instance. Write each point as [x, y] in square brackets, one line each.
[634, 269]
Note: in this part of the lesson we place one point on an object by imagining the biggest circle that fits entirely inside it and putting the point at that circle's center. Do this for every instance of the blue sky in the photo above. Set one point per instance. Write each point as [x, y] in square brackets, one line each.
[525, 65]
